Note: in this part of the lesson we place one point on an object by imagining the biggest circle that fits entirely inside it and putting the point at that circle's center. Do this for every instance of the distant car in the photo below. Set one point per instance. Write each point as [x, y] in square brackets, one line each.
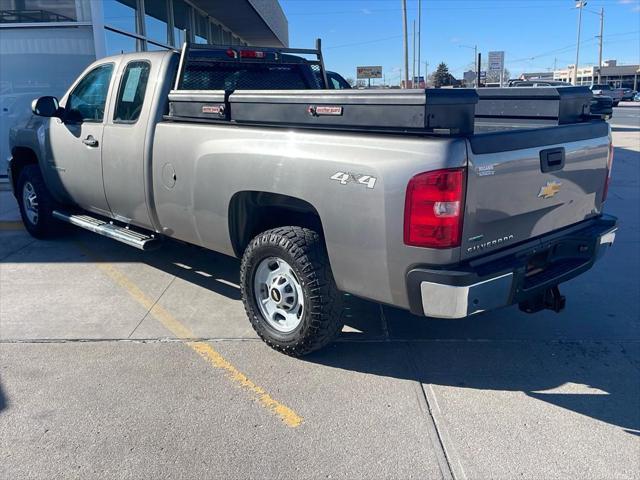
[602, 106]
[636, 97]
[628, 94]
[539, 83]
[337, 81]
[607, 91]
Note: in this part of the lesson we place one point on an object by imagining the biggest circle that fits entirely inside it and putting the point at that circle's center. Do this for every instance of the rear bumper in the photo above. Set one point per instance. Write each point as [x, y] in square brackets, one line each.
[510, 276]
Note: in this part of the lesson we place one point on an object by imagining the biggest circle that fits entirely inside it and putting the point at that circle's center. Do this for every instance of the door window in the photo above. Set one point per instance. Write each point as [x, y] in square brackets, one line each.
[131, 94]
[87, 101]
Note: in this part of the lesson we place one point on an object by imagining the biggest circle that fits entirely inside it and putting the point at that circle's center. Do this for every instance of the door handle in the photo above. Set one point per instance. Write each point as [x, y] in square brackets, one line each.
[90, 141]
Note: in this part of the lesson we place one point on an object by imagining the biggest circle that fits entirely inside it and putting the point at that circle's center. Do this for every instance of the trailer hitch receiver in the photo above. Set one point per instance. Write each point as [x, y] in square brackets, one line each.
[549, 299]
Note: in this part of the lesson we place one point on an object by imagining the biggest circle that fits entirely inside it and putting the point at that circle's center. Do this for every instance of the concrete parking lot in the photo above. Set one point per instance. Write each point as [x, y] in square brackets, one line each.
[121, 364]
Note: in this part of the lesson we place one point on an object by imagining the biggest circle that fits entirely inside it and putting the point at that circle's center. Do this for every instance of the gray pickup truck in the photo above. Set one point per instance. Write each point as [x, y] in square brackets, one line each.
[444, 202]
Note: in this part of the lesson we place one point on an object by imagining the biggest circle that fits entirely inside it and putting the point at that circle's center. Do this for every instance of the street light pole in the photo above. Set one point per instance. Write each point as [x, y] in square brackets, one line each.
[579, 5]
[405, 42]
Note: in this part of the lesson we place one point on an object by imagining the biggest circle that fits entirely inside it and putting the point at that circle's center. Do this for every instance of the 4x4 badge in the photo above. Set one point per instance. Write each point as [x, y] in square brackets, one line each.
[549, 190]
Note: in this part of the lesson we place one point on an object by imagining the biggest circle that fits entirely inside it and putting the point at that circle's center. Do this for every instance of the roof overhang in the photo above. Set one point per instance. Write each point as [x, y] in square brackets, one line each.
[258, 22]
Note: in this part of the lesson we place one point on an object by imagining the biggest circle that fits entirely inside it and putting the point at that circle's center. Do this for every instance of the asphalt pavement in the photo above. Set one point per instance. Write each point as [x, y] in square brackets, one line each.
[120, 364]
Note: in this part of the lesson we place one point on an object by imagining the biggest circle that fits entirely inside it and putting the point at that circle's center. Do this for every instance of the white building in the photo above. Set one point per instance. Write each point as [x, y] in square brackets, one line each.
[618, 76]
[45, 44]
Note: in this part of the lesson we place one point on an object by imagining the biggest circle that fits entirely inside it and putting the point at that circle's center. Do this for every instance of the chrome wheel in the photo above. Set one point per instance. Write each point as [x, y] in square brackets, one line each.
[30, 202]
[278, 294]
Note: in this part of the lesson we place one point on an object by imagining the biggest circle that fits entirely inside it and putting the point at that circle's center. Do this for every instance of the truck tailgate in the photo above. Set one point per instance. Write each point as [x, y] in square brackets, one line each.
[523, 184]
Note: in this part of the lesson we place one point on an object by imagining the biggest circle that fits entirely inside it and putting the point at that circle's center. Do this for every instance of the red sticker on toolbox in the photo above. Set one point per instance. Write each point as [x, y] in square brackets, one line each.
[218, 109]
[328, 110]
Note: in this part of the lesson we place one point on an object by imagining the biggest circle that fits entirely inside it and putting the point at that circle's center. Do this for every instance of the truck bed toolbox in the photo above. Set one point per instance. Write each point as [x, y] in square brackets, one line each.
[561, 105]
[443, 111]
[430, 111]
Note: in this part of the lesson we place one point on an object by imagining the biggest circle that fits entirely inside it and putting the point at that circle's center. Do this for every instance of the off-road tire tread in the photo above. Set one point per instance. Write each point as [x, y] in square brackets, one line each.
[308, 249]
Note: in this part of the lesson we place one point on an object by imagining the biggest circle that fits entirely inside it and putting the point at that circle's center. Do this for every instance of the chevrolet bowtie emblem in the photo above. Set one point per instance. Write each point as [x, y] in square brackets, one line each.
[549, 190]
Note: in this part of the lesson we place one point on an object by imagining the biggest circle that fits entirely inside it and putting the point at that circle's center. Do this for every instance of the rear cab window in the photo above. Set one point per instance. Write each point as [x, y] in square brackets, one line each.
[131, 93]
[248, 76]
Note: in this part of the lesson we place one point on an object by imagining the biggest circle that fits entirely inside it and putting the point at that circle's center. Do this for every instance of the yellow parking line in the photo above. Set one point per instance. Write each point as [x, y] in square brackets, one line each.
[288, 416]
[8, 225]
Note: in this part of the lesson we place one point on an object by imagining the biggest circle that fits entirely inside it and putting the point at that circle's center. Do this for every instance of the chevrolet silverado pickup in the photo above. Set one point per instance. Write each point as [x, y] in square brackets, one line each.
[443, 202]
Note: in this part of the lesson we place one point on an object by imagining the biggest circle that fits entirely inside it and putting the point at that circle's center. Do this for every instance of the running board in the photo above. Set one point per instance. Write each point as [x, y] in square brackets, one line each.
[121, 234]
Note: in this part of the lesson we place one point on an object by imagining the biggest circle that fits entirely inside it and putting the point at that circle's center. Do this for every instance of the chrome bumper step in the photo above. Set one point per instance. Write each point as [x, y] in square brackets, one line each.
[143, 241]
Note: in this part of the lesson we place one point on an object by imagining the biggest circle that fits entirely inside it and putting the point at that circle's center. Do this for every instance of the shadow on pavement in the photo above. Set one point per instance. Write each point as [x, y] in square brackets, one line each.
[3, 400]
[590, 379]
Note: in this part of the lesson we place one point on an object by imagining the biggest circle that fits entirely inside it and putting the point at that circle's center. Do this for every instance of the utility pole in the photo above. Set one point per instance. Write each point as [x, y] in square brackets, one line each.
[600, 38]
[478, 70]
[426, 74]
[405, 41]
[419, 31]
[413, 61]
[579, 5]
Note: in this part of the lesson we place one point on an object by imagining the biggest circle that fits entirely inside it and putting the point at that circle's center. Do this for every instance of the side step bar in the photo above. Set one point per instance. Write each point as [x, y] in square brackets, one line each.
[124, 235]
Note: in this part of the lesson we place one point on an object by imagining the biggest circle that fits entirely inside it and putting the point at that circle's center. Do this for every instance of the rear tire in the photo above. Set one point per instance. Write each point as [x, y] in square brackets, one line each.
[288, 290]
[36, 204]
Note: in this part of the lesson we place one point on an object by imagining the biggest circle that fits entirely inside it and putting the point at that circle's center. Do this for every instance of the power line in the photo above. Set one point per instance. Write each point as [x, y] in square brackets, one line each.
[366, 42]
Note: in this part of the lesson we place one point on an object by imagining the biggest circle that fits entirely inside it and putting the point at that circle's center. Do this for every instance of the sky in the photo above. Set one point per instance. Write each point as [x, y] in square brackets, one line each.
[534, 34]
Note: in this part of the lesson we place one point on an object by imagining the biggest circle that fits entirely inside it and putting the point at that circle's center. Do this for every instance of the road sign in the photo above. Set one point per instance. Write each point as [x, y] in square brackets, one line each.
[369, 72]
[496, 61]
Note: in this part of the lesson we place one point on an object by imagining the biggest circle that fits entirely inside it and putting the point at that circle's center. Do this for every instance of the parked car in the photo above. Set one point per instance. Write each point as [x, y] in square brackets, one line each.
[628, 94]
[394, 196]
[539, 83]
[636, 97]
[602, 106]
[607, 91]
[337, 81]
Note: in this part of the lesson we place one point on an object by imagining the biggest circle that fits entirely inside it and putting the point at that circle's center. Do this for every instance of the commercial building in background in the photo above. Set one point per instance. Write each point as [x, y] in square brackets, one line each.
[536, 75]
[618, 76]
[45, 44]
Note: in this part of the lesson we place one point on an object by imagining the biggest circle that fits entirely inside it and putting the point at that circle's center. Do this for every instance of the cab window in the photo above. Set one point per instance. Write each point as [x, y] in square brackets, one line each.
[132, 91]
[87, 101]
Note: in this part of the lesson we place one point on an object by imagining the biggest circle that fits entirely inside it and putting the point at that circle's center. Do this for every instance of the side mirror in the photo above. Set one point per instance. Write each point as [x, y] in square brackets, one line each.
[46, 107]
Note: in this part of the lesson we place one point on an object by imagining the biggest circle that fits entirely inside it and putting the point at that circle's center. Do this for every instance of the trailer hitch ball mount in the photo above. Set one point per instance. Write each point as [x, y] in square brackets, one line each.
[550, 299]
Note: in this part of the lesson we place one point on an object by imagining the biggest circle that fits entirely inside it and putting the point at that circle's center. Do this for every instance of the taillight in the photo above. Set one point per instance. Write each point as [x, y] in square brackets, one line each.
[433, 209]
[607, 180]
[251, 54]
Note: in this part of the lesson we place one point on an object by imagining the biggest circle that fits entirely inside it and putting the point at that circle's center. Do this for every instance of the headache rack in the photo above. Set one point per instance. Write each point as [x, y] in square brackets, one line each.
[205, 53]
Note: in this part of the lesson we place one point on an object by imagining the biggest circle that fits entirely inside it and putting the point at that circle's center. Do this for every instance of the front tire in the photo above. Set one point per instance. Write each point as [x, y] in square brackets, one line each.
[288, 290]
[36, 204]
